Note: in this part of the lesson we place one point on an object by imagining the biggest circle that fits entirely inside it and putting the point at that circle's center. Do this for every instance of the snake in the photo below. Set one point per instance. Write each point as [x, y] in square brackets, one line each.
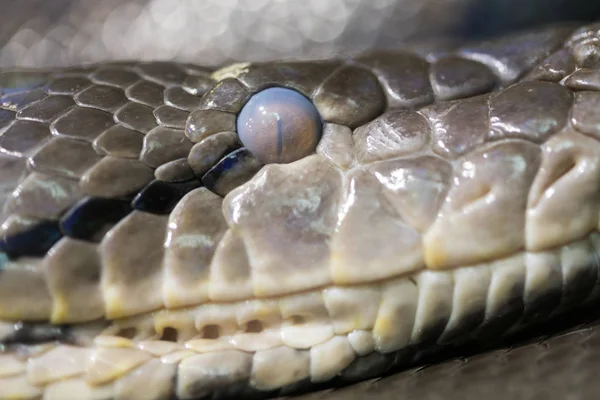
[170, 230]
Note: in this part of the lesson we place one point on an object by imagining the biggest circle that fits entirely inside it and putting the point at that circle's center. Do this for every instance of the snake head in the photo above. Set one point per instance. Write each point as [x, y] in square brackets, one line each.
[266, 225]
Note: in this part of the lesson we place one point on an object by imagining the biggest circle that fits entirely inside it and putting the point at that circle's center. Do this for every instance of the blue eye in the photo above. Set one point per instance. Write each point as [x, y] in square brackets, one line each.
[279, 126]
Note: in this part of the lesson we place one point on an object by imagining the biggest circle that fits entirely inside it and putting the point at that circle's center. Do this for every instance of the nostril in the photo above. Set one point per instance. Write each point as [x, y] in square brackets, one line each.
[297, 320]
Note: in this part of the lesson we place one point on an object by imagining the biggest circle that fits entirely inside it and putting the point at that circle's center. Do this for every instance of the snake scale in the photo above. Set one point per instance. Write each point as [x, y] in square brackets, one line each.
[147, 253]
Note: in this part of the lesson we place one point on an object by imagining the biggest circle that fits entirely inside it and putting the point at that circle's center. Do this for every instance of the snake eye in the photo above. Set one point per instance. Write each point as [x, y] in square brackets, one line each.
[279, 126]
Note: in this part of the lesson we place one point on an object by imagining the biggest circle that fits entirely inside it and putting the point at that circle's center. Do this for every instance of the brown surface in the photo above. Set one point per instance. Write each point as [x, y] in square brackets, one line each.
[558, 360]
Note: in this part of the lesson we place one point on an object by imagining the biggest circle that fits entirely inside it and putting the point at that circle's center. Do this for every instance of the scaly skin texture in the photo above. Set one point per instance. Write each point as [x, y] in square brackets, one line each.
[146, 254]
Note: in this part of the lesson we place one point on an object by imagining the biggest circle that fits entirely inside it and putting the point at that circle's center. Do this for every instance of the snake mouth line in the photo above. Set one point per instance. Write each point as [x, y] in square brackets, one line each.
[315, 336]
[307, 318]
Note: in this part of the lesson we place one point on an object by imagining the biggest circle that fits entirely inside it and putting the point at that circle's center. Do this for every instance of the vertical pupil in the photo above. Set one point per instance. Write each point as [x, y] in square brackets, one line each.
[279, 125]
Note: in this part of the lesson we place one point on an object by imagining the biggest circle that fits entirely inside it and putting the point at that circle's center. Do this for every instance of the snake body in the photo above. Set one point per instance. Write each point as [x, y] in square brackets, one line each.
[145, 254]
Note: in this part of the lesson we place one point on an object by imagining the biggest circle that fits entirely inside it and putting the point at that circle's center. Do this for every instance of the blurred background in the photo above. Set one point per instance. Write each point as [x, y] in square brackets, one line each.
[213, 32]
